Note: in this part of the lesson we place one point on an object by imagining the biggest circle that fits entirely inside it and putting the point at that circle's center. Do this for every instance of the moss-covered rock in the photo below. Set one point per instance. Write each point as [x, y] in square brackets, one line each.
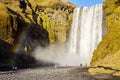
[107, 52]
[56, 20]
[5, 25]
[53, 15]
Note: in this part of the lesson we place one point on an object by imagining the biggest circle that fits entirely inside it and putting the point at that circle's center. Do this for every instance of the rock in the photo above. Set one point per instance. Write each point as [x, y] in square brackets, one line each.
[111, 42]
[23, 32]
[36, 36]
[56, 20]
[5, 25]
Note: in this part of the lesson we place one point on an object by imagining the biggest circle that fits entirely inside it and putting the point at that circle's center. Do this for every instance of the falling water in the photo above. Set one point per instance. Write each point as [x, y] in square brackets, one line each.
[86, 32]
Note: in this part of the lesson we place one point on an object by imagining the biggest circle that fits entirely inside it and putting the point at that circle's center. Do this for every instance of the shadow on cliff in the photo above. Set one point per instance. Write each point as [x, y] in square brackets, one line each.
[35, 35]
[8, 59]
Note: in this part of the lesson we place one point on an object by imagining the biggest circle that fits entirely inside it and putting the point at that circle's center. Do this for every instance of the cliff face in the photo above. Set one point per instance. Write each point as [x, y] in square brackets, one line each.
[11, 24]
[5, 26]
[53, 18]
[38, 23]
[56, 19]
[109, 47]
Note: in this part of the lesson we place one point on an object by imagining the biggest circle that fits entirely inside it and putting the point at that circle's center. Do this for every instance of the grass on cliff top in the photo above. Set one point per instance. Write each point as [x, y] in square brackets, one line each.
[49, 2]
[44, 2]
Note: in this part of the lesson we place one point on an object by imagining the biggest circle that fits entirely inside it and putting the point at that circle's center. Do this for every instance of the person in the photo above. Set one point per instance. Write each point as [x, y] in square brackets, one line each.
[23, 5]
[14, 68]
[81, 65]
[55, 66]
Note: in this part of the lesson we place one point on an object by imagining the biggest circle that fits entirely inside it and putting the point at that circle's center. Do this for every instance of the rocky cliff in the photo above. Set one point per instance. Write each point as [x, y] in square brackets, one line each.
[5, 26]
[31, 23]
[53, 16]
[56, 19]
[108, 50]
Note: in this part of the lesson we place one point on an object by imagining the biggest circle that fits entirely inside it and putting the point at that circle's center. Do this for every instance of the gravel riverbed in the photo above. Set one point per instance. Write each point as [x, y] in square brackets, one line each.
[51, 73]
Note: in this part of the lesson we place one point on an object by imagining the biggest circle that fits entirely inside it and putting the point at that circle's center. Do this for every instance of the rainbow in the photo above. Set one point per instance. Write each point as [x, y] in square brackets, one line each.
[19, 47]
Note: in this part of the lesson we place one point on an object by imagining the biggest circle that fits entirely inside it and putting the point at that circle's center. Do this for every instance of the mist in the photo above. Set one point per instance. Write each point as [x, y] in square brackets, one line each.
[57, 54]
[83, 40]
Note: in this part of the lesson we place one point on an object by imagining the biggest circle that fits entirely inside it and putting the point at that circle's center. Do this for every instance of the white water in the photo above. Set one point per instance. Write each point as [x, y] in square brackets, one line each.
[86, 32]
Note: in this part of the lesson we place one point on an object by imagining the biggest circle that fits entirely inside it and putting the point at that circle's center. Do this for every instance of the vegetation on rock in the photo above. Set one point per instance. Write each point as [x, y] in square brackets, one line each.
[108, 50]
[46, 20]
[54, 16]
[5, 26]
[56, 21]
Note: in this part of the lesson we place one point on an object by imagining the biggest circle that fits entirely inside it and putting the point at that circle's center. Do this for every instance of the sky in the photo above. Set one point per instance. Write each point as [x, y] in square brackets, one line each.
[81, 3]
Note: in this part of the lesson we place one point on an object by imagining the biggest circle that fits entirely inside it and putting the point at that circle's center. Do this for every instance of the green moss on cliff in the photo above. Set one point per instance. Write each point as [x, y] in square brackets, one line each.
[56, 20]
[5, 26]
[44, 2]
[53, 15]
[105, 54]
[111, 42]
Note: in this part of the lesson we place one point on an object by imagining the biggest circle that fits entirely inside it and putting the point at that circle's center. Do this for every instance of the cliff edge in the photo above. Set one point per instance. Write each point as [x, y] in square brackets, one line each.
[108, 51]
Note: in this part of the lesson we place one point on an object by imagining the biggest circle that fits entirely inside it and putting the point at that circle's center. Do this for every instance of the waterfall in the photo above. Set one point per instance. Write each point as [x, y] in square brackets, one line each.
[86, 32]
